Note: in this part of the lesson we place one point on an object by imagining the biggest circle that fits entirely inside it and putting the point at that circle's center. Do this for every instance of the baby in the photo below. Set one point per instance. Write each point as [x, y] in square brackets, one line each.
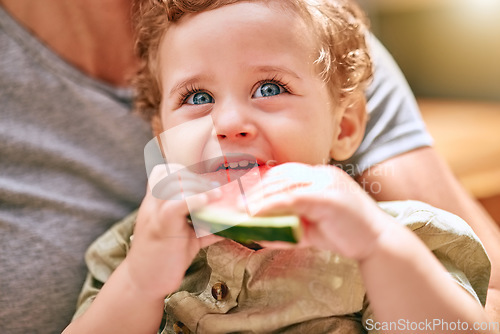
[282, 81]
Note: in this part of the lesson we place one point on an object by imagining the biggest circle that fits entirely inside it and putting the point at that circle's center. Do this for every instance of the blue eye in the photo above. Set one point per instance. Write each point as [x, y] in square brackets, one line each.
[199, 98]
[268, 89]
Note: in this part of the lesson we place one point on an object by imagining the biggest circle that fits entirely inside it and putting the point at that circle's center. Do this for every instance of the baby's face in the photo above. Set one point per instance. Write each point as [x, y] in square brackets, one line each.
[249, 68]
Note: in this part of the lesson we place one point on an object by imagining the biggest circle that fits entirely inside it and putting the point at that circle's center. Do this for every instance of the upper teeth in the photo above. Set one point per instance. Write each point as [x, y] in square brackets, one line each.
[236, 164]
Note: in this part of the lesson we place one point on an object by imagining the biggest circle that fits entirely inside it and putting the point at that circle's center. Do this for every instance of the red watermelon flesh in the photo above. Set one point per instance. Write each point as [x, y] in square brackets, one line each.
[228, 219]
[235, 183]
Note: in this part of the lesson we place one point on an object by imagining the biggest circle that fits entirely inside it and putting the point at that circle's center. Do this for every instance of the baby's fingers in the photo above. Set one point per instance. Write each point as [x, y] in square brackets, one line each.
[174, 182]
[209, 240]
[277, 244]
[275, 204]
[173, 188]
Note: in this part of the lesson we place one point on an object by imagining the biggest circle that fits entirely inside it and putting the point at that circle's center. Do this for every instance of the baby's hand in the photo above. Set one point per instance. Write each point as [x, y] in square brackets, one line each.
[336, 213]
[164, 244]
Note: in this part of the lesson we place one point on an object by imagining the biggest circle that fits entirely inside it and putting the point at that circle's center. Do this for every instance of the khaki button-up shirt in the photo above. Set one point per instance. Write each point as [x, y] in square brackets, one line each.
[230, 288]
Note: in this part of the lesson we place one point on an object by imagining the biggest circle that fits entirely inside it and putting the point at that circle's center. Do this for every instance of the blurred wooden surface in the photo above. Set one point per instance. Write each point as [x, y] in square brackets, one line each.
[467, 135]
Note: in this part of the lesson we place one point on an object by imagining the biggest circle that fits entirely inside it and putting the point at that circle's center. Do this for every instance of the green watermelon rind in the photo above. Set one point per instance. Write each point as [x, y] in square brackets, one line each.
[221, 221]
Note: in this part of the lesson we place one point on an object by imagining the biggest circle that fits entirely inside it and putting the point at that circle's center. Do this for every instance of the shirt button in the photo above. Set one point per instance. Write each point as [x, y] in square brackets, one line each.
[180, 328]
[219, 291]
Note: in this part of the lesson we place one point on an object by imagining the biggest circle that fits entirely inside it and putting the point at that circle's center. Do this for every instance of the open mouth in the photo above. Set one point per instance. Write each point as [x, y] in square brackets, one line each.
[233, 161]
[226, 168]
[237, 165]
[227, 162]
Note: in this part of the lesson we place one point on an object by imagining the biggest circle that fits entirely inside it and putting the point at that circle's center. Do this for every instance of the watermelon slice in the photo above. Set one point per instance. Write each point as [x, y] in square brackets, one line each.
[221, 221]
[224, 218]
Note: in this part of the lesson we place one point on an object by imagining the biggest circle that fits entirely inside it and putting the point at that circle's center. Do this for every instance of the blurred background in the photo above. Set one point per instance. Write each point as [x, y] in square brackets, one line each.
[449, 51]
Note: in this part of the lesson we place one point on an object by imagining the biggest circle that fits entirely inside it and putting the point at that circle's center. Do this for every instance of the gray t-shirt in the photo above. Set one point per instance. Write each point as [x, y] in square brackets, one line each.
[395, 125]
[71, 164]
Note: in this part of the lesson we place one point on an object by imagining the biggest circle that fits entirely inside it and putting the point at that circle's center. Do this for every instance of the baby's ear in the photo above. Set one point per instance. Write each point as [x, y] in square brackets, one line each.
[352, 127]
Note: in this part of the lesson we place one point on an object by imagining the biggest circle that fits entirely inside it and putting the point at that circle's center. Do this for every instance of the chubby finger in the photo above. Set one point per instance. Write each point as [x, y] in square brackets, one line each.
[178, 185]
[171, 188]
[209, 240]
[160, 171]
[196, 201]
[285, 187]
[169, 218]
[277, 204]
[157, 174]
[292, 178]
[277, 244]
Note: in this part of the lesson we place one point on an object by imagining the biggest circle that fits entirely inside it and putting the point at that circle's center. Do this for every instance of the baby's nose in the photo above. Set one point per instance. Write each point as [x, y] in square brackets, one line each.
[234, 123]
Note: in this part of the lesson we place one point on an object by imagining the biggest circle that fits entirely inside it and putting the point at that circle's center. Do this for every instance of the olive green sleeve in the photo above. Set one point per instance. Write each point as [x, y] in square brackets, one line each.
[451, 240]
[453, 243]
[102, 258]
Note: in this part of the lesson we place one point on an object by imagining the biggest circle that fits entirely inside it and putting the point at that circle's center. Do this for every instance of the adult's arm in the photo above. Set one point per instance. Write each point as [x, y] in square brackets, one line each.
[423, 175]
[396, 161]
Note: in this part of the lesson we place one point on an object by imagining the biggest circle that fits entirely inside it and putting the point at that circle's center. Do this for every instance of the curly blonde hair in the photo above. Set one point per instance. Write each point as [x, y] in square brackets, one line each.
[339, 25]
